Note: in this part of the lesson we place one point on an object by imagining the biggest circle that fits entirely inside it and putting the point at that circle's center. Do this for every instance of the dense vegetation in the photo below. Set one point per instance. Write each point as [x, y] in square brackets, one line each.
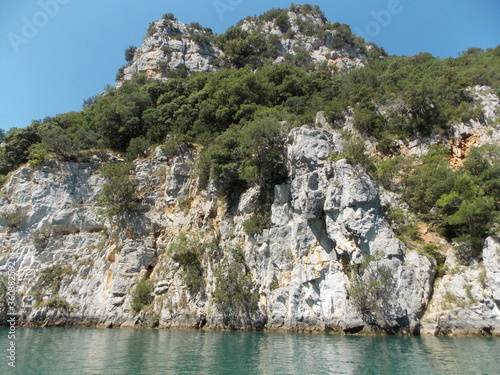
[242, 112]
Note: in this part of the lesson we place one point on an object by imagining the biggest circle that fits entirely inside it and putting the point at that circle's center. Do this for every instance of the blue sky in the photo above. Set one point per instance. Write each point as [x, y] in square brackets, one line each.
[56, 53]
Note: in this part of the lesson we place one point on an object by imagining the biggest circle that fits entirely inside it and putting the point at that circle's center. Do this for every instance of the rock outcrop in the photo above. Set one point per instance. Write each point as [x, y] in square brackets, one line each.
[329, 48]
[171, 46]
[73, 267]
[466, 301]
[174, 46]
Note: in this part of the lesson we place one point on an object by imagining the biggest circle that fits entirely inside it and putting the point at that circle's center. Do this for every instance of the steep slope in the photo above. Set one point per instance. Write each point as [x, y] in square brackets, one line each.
[326, 218]
[300, 34]
[173, 46]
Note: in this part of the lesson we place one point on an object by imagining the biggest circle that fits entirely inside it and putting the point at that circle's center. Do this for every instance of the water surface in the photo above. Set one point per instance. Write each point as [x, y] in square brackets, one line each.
[41, 351]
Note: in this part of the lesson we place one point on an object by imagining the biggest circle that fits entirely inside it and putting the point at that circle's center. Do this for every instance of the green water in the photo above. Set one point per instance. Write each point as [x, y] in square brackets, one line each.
[67, 351]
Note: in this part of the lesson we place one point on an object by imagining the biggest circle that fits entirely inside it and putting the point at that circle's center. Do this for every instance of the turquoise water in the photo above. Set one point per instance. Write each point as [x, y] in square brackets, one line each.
[67, 351]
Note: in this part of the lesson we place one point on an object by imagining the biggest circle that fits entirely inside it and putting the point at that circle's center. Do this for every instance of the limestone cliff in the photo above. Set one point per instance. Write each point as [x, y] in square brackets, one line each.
[174, 46]
[75, 268]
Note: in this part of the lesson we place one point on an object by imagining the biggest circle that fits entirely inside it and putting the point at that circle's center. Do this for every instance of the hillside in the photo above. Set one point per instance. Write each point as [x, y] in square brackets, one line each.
[284, 175]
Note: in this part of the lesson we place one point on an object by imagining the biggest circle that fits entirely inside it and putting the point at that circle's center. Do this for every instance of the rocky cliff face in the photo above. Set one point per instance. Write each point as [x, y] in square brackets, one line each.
[329, 48]
[466, 301]
[171, 45]
[327, 221]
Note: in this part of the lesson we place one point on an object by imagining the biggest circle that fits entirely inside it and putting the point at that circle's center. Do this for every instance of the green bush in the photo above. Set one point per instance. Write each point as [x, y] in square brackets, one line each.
[129, 53]
[142, 295]
[434, 251]
[282, 21]
[187, 250]
[201, 37]
[274, 284]
[174, 146]
[37, 154]
[355, 153]
[118, 196]
[169, 16]
[404, 226]
[13, 217]
[55, 139]
[138, 148]
[179, 72]
[152, 29]
[459, 203]
[235, 294]
[16, 147]
[41, 237]
[58, 303]
[52, 277]
[372, 291]
[256, 224]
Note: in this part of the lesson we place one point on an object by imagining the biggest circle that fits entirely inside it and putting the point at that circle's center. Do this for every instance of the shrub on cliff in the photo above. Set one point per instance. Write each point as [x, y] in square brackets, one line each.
[188, 252]
[13, 218]
[118, 196]
[142, 295]
[372, 291]
[235, 295]
[129, 53]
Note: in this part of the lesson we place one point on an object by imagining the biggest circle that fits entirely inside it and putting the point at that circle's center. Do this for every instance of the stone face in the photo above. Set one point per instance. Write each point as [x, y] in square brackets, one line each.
[465, 302]
[325, 219]
[491, 257]
[173, 45]
[169, 48]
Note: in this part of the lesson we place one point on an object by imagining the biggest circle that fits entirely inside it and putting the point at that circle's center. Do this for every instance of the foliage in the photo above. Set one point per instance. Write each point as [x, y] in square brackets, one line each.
[354, 151]
[118, 196]
[55, 140]
[274, 284]
[138, 148]
[37, 154]
[460, 203]
[41, 237]
[152, 29]
[372, 291]
[57, 302]
[256, 223]
[142, 295]
[175, 145]
[13, 217]
[404, 226]
[16, 148]
[282, 21]
[434, 251]
[169, 16]
[243, 156]
[235, 293]
[428, 181]
[52, 277]
[187, 251]
[129, 53]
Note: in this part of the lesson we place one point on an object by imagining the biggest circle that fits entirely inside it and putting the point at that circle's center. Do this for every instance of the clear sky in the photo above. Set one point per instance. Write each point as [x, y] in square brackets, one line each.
[56, 53]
